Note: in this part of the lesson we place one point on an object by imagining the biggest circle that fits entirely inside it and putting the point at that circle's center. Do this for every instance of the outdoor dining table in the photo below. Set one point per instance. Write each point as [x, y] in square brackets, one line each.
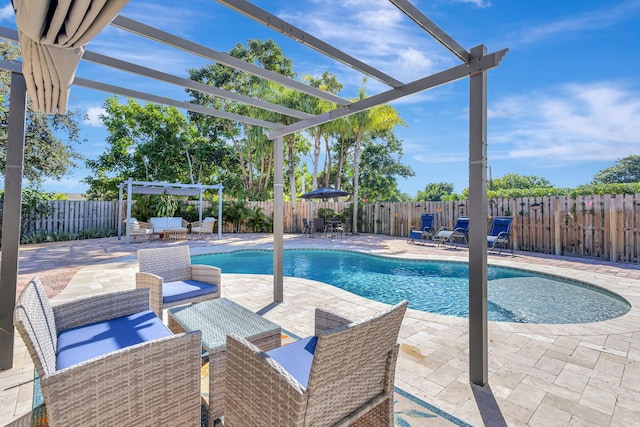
[216, 319]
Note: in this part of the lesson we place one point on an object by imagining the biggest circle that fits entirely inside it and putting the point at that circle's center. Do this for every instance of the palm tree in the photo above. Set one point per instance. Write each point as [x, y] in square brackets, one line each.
[380, 118]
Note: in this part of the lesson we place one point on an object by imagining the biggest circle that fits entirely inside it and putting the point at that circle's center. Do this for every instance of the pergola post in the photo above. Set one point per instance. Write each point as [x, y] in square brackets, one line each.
[477, 209]
[11, 216]
[278, 220]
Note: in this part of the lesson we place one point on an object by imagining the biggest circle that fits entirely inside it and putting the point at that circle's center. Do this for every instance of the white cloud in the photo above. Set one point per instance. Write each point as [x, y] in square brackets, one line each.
[595, 121]
[477, 3]
[375, 32]
[92, 117]
[7, 13]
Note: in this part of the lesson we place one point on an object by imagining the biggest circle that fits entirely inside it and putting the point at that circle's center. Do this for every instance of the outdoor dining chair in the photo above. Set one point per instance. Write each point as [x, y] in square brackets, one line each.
[173, 280]
[107, 360]
[343, 374]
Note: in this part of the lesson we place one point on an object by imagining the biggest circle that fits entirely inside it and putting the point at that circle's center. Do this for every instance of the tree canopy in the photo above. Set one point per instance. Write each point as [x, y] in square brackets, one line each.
[626, 170]
[49, 150]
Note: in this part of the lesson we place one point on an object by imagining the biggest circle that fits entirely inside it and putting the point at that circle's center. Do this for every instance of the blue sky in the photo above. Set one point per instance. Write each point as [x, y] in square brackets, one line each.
[563, 104]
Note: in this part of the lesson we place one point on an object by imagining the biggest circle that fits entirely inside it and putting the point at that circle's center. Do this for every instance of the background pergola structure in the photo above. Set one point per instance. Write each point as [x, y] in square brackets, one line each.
[475, 64]
[144, 187]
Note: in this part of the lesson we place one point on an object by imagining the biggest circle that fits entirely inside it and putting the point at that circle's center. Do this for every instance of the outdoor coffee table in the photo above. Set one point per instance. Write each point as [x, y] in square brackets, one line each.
[216, 319]
[174, 234]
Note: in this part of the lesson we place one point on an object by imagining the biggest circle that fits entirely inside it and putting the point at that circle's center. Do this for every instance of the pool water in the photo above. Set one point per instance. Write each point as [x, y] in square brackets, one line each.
[439, 287]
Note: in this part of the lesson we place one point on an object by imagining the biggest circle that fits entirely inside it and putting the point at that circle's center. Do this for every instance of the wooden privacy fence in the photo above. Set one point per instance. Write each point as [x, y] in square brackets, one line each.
[66, 216]
[604, 227]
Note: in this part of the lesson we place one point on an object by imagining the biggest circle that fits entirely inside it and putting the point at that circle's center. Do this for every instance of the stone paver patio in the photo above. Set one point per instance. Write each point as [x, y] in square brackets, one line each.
[539, 375]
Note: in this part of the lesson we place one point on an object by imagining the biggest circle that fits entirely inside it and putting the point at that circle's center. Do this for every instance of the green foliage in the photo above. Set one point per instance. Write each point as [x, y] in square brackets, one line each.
[514, 180]
[41, 237]
[257, 221]
[606, 188]
[435, 191]
[380, 165]
[167, 207]
[188, 211]
[625, 171]
[152, 143]
[144, 206]
[235, 213]
[327, 213]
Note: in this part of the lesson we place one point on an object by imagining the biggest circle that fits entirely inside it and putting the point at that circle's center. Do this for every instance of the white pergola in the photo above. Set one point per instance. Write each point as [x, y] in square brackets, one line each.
[45, 73]
[148, 187]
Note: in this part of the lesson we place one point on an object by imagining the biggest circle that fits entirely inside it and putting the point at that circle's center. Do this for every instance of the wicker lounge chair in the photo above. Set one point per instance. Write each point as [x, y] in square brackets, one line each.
[459, 232]
[343, 374]
[204, 227]
[425, 231]
[173, 280]
[107, 360]
[139, 229]
[499, 233]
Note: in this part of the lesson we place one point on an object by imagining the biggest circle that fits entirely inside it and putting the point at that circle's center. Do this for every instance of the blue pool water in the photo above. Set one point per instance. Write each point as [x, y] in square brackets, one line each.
[435, 286]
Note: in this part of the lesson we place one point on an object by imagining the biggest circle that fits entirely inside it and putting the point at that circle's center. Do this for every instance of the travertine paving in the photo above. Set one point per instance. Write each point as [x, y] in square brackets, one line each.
[539, 375]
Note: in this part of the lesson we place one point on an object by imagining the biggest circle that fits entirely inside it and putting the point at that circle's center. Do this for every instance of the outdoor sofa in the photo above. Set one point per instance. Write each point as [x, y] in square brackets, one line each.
[107, 360]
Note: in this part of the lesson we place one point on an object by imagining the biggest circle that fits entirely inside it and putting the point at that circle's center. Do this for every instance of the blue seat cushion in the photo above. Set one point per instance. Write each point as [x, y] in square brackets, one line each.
[296, 358]
[86, 342]
[415, 234]
[184, 289]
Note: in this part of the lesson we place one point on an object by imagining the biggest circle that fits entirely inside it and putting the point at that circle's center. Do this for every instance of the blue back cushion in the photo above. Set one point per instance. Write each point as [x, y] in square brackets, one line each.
[183, 289]
[426, 221]
[500, 225]
[86, 342]
[296, 358]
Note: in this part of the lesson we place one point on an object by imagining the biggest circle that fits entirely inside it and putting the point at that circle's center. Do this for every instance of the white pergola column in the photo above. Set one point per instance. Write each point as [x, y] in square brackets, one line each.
[11, 216]
[477, 209]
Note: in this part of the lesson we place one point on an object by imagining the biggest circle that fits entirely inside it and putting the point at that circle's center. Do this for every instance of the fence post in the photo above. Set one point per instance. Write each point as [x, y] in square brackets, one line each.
[557, 233]
[613, 227]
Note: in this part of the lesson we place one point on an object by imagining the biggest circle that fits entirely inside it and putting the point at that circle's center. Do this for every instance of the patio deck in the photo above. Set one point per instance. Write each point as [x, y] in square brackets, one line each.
[539, 375]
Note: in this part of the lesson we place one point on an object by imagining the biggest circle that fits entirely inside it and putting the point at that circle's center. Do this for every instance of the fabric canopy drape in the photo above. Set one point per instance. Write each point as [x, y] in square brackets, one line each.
[52, 36]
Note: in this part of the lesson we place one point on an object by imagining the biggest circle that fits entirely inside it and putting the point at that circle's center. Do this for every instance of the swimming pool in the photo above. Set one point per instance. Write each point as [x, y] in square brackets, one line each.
[439, 287]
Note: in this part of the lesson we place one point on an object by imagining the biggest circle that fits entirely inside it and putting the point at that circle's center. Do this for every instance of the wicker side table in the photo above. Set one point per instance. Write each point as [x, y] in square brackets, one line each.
[216, 319]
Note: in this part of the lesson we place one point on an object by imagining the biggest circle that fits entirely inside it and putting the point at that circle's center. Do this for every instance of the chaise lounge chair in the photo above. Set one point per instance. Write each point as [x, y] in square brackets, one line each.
[459, 232]
[425, 231]
[500, 233]
[107, 360]
[173, 280]
[343, 374]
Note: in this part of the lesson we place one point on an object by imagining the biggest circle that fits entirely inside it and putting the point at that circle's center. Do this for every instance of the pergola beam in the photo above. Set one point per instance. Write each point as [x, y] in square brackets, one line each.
[185, 83]
[151, 33]
[91, 84]
[429, 26]
[269, 20]
[474, 66]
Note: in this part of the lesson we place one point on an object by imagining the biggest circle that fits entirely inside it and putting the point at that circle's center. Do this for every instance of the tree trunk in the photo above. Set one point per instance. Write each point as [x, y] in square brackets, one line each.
[292, 170]
[356, 176]
[316, 157]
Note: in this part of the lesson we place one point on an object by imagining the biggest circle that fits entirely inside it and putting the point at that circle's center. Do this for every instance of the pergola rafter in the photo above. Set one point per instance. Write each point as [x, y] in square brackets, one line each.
[476, 63]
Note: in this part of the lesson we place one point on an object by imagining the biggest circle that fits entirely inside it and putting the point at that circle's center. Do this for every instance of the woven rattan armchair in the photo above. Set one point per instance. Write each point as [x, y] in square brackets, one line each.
[173, 280]
[107, 360]
[344, 375]
[202, 228]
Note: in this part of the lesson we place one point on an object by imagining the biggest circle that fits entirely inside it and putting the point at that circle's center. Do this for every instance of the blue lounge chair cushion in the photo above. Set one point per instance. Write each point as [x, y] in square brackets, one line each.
[296, 358]
[86, 342]
[415, 234]
[184, 289]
